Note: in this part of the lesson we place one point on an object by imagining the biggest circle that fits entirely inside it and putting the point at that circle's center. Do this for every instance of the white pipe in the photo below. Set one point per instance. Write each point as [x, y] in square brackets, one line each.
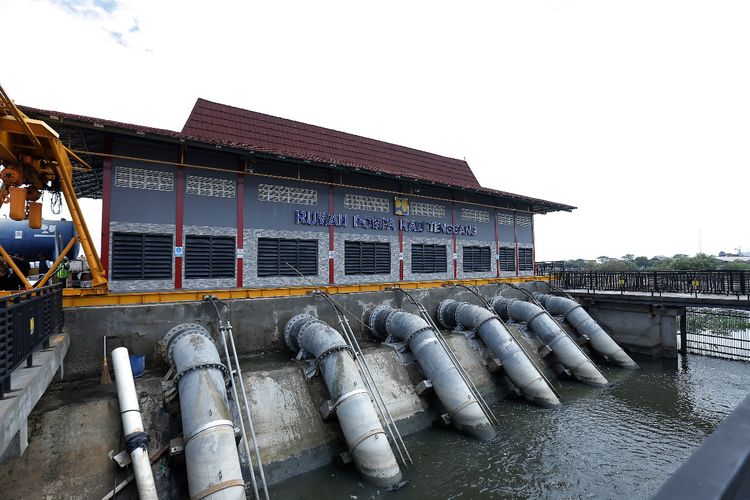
[132, 424]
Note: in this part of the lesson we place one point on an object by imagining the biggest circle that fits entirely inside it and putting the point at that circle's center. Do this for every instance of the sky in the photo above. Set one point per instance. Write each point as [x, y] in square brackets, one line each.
[637, 113]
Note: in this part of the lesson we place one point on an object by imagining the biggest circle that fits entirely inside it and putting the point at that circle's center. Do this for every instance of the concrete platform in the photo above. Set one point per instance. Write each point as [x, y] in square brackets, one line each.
[27, 387]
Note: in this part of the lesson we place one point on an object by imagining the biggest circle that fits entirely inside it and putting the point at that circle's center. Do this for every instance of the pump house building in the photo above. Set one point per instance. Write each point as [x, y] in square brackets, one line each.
[243, 199]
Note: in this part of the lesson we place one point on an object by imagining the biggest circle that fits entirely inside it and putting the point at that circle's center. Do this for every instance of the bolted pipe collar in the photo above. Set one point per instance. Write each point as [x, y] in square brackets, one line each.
[293, 328]
[377, 321]
[446, 313]
[178, 332]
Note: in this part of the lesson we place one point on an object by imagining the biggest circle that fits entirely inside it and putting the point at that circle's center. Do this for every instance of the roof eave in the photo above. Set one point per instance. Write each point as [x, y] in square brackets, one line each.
[536, 205]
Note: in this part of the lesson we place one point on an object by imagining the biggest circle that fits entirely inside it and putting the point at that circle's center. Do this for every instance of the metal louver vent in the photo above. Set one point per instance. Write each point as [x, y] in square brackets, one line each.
[367, 257]
[209, 257]
[276, 255]
[525, 259]
[507, 259]
[477, 259]
[428, 258]
[138, 256]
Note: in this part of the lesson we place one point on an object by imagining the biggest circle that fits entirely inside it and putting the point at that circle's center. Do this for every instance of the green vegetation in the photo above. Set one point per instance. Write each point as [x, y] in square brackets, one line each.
[717, 321]
[679, 262]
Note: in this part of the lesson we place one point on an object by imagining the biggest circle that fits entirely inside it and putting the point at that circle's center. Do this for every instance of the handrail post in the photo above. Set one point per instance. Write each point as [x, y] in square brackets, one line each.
[683, 332]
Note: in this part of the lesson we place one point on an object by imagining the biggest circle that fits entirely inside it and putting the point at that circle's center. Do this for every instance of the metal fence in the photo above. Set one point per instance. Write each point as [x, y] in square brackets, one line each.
[27, 320]
[691, 282]
[723, 333]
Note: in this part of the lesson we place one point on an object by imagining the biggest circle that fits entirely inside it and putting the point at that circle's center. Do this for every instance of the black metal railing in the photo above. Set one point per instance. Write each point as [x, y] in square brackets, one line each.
[549, 268]
[723, 333]
[27, 320]
[692, 282]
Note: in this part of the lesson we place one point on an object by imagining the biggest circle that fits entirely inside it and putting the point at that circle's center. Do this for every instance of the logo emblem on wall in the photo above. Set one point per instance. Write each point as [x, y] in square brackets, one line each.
[400, 206]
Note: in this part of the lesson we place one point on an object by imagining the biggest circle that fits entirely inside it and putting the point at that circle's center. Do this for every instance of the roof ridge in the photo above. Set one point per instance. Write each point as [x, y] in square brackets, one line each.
[319, 127]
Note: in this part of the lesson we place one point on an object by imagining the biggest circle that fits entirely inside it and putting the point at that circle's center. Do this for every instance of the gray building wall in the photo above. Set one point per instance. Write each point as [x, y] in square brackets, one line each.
[485, 237]
[206, 209]
[151, 210]
[351, 233]
[274, 219]
[143, 205]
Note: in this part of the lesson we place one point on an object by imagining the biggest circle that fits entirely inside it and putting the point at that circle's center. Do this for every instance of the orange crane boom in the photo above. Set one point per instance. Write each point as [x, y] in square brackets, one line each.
[35, 160]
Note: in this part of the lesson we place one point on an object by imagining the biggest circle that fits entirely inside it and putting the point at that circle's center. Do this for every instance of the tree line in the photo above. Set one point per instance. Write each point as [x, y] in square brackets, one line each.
[679, 262]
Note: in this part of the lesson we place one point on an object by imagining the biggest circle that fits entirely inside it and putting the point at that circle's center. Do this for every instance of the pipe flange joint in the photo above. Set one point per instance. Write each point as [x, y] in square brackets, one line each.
[486, 320]
[390, 319]
[415, 333]
[374, 321]
[333, 349]
[199, 366]
[497, 302]
[539, 313]
[292, 330]
[443, 316]
[178, 332]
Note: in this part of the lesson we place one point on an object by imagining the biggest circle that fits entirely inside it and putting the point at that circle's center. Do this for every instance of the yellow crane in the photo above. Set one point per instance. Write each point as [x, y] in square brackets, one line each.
[33, 160]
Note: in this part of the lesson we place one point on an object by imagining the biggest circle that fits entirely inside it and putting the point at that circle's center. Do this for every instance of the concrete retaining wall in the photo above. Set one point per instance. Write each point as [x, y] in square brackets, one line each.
[258, 323]
[643, 329]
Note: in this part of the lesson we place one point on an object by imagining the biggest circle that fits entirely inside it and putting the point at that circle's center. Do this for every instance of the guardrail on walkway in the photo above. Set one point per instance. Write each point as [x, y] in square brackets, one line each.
[27, 320]
[691, 282]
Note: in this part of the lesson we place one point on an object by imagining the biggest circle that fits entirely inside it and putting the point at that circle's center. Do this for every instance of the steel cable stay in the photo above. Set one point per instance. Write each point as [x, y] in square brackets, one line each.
[534, 301]
[382, 408]
[487, 304]
[233, 362]
[451, 355]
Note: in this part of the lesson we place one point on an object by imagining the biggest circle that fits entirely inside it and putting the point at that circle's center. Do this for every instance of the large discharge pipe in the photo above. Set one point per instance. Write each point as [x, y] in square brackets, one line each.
[135, 437]
[365, 437]
[554, 337]
[517, 365]
[454, 394]
[584, 324]
[213, 465]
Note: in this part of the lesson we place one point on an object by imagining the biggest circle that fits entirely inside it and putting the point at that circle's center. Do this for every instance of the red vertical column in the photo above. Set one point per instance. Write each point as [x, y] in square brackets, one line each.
[515, 236]
[179, 239]
[106, 213]
[331, 262]
[533, 245]
[497, 245]
[240, 227]
[453, 221]
[401, 254]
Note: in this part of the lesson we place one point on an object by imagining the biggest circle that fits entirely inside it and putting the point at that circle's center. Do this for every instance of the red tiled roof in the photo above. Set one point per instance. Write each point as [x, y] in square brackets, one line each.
[369, 156]
[280, 136]
[48, 115]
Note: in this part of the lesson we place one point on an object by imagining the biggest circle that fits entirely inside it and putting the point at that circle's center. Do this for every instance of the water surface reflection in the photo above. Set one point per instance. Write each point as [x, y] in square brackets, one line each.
[621, 442]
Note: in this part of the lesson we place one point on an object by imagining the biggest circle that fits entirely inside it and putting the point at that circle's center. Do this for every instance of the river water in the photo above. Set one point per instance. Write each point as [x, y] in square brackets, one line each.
[619, 442]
